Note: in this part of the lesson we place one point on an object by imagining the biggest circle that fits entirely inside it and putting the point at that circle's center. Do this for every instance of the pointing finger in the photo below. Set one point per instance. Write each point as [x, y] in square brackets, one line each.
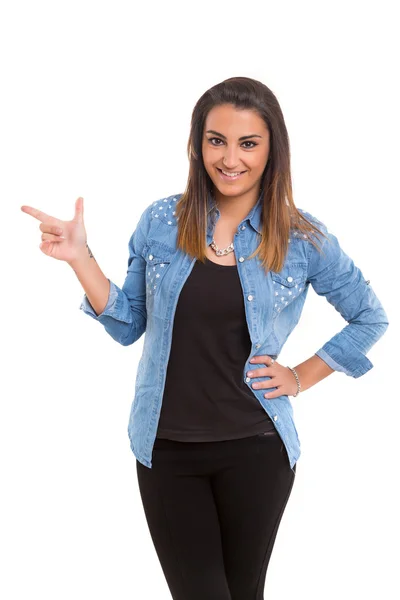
[38, 214]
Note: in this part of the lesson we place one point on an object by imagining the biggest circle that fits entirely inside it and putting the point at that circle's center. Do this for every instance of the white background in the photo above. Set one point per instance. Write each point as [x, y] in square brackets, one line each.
[96, 100]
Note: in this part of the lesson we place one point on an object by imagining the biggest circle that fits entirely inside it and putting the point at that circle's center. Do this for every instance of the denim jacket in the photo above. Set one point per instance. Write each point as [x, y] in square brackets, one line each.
[157, 271]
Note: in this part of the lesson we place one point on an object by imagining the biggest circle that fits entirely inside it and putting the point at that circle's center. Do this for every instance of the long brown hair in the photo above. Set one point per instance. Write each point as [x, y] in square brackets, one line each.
[279, 214]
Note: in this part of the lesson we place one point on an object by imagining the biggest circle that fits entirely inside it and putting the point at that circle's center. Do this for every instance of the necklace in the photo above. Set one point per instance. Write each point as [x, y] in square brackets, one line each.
[222, 252]
[219, 252]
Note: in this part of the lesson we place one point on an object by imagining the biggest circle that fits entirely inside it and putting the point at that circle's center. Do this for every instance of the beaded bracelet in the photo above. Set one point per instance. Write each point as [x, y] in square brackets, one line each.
[297, 381]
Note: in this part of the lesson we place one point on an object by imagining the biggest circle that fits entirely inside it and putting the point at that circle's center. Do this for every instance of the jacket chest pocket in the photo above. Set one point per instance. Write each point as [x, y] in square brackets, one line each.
[288, 284]
[158, 257]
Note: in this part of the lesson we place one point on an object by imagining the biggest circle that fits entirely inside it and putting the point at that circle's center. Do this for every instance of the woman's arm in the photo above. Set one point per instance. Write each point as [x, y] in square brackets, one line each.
[122, 311]
[334, 275]
[93, 280]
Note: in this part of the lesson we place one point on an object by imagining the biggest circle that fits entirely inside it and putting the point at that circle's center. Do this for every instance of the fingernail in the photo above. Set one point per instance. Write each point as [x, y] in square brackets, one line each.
[252, 360]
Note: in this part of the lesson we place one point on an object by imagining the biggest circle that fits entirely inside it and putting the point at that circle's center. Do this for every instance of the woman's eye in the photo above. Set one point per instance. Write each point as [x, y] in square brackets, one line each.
[212, 139]
[219, 140]
[248, 142]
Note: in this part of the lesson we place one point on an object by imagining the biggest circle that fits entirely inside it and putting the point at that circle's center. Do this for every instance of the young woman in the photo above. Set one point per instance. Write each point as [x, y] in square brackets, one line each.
[217, 277]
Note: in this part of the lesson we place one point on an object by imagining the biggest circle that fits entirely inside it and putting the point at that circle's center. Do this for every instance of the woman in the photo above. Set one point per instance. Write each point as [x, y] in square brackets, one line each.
[217, 278]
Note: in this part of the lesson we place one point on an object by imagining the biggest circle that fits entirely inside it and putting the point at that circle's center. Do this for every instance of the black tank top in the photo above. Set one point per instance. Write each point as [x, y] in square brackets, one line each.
[205, 397]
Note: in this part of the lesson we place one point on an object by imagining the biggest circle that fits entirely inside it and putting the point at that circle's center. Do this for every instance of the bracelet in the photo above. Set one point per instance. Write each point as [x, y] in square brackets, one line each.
[297, 381]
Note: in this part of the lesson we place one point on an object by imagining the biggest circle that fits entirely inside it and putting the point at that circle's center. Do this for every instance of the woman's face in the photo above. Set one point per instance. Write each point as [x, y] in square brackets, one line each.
[223, 149]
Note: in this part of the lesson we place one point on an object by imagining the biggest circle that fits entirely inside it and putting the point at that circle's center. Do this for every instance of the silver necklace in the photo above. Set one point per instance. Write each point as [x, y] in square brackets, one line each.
[219, 252]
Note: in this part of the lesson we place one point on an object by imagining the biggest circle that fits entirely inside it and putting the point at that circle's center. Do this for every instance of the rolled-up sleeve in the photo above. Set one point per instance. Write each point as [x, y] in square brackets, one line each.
[333, 274]
[124, 316]
[110, 308]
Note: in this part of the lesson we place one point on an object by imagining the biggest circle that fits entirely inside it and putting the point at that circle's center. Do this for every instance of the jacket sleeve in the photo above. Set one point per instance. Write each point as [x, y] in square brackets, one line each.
[334, 275]
[124, 316]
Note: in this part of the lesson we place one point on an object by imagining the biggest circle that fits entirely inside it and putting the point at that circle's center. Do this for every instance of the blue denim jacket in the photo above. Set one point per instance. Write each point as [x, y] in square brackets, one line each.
[157, 271]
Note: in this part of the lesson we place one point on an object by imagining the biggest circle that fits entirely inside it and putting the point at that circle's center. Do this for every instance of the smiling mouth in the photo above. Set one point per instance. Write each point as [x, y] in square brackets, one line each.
[238, 172]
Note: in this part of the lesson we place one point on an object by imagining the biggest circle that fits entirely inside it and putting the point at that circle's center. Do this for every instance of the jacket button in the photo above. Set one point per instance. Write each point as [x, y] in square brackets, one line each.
[275, 417]
[241, 259]
[151, 257]
[250, 297]
[258, 345]
[290, 278]
[248, 379]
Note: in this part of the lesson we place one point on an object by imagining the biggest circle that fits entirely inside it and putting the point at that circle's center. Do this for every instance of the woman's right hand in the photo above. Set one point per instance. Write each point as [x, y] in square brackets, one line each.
[63, 240]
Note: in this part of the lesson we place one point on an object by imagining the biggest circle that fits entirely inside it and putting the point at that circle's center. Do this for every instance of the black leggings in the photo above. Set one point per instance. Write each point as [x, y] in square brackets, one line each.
[213, 511]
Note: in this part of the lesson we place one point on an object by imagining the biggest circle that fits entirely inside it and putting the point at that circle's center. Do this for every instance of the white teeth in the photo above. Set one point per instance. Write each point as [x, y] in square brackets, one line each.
[231, 174]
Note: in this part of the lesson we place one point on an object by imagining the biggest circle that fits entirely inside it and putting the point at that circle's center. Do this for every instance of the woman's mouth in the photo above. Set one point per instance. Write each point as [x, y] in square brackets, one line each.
[233, 177]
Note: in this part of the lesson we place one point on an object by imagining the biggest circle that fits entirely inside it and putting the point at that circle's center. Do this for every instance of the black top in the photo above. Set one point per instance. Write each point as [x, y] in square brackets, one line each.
[205, 397]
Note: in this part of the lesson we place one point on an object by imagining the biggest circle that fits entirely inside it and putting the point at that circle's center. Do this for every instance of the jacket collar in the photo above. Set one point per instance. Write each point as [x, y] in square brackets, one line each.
[254, 216]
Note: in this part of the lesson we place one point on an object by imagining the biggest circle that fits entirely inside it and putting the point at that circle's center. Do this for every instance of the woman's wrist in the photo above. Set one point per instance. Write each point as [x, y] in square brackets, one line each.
[311, 371]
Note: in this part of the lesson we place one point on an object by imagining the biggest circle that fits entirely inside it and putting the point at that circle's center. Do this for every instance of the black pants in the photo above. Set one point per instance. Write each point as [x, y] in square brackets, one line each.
[213, 511]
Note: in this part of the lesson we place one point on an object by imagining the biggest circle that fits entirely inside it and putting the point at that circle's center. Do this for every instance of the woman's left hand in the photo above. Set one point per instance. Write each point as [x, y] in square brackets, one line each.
[281, 377]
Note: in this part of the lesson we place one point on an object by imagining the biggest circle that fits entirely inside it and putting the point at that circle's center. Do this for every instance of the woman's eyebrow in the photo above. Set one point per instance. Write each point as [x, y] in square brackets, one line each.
[244, 137]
